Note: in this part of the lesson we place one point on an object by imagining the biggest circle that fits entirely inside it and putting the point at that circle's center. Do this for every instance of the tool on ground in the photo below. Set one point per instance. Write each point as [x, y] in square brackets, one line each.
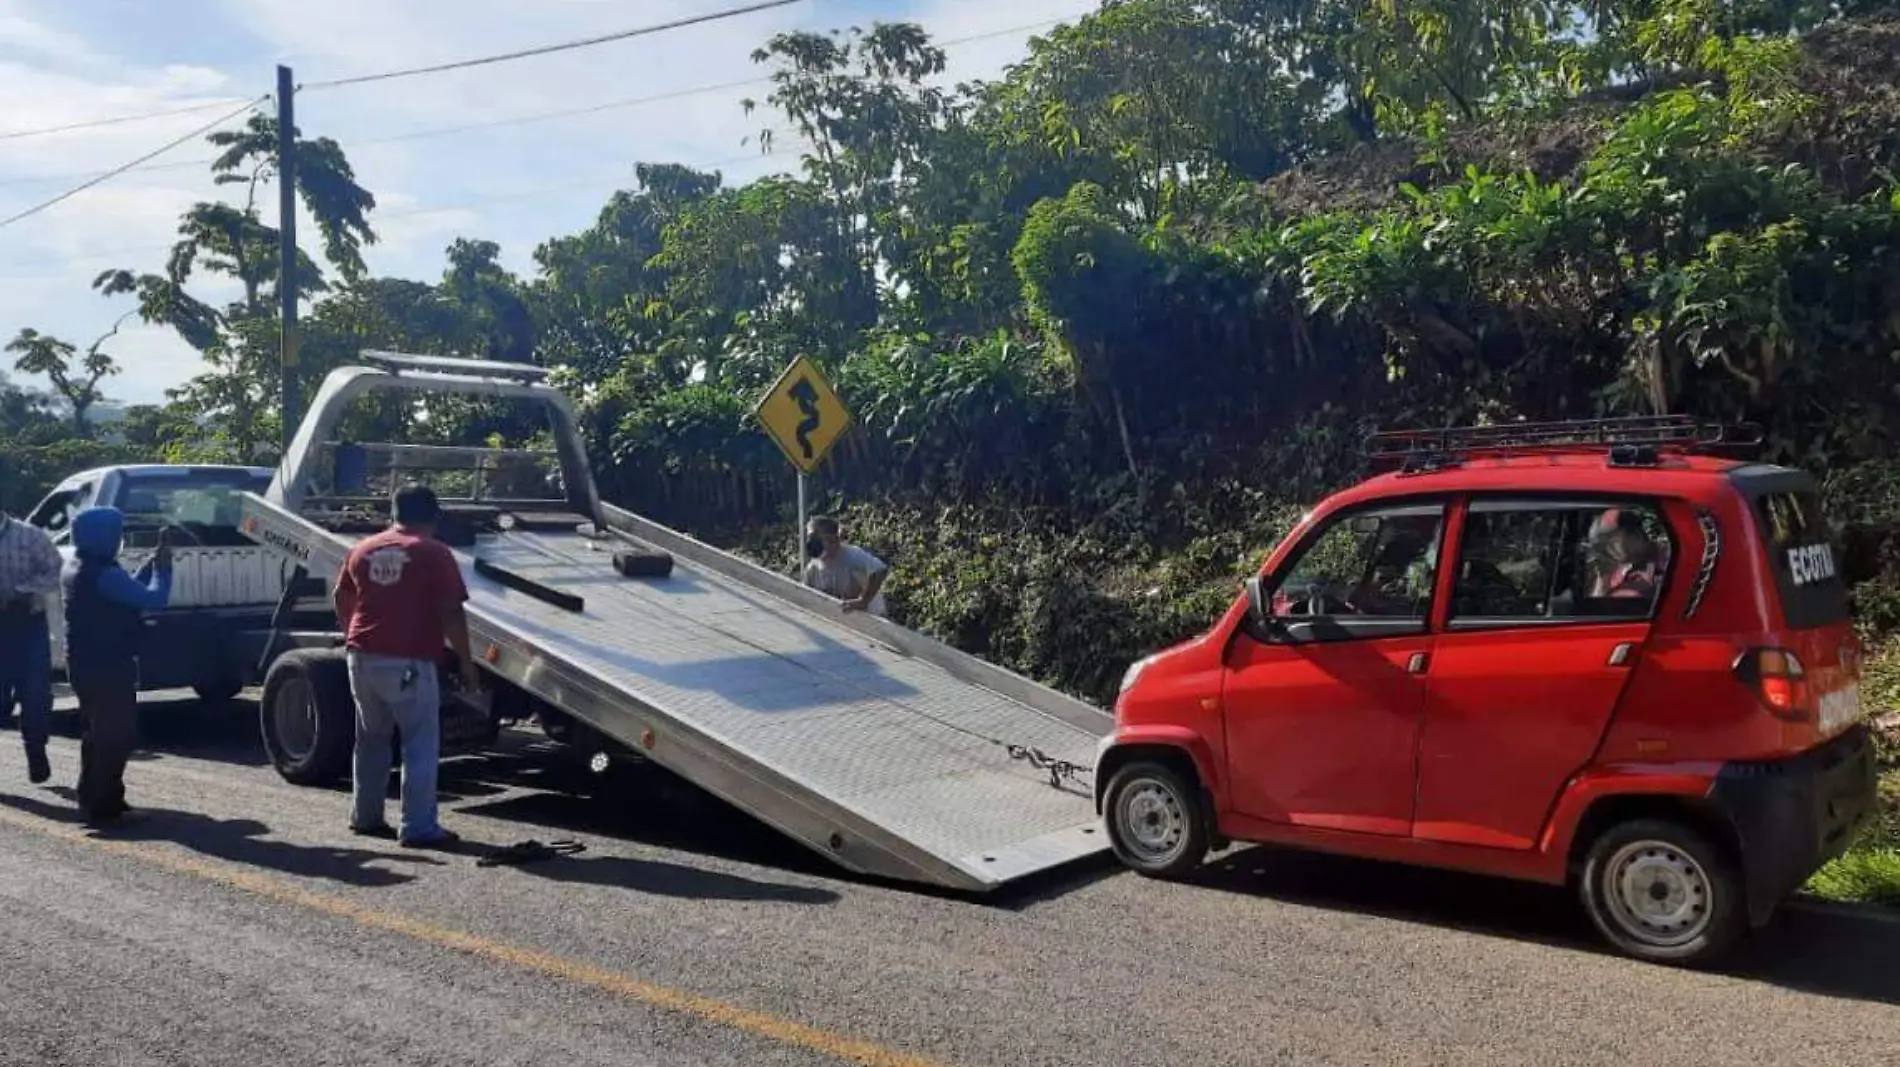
[529, 852]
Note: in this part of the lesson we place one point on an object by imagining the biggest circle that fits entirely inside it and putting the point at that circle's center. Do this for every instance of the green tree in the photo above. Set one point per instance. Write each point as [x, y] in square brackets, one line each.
[600, 304]
[75, 376]
[864, 105]
[240, 343]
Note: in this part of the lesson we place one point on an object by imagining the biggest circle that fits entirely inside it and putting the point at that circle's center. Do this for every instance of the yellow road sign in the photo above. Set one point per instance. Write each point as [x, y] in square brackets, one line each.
[803, 415]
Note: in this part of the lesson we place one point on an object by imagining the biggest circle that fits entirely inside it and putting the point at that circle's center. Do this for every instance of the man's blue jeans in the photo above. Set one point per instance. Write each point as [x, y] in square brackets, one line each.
[26, 673]
[396, 695]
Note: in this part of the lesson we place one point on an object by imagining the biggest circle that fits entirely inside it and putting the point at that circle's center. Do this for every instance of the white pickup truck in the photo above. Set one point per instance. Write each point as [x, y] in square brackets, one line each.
[225, 588]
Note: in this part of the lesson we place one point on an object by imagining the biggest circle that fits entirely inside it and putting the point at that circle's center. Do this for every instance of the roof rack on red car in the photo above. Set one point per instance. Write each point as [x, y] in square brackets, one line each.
[1635, 441]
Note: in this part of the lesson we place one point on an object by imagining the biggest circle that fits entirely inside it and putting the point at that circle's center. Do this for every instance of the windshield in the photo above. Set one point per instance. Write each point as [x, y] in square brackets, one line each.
[191, 497]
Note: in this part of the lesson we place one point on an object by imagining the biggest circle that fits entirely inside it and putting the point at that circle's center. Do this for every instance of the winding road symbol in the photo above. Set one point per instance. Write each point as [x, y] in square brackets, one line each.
[807, 396]
[802, 414]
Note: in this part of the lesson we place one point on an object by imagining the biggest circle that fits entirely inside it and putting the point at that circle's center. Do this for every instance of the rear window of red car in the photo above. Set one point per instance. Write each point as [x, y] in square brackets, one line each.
[1801, 550]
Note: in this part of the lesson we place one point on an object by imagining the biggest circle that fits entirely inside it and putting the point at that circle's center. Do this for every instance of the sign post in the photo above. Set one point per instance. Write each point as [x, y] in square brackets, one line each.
[802, 414]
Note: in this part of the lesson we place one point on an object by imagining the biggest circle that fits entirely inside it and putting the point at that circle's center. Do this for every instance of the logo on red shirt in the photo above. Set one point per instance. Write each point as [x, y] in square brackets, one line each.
[386, 564]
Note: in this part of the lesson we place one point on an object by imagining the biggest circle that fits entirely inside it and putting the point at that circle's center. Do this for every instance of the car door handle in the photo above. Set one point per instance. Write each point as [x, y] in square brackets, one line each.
[1418, 663]
[1620, 655]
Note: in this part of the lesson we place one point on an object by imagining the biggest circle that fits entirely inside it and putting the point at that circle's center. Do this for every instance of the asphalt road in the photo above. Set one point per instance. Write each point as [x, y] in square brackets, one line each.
[237, 922]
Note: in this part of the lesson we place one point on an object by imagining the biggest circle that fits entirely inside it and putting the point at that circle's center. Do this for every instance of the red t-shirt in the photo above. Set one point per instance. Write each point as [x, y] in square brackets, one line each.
[391, 592]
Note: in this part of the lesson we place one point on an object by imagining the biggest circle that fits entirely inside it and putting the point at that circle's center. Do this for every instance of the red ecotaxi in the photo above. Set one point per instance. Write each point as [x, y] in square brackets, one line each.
[1608, 654]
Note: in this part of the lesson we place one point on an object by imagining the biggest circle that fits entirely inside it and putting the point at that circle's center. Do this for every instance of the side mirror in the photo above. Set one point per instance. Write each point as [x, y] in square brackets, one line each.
[1257, 602]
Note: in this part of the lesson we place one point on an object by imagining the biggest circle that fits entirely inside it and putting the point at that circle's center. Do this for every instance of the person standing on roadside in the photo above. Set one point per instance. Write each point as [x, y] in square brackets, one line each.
[399, 596]
[103, 609]
[29, 573]
[843, 570]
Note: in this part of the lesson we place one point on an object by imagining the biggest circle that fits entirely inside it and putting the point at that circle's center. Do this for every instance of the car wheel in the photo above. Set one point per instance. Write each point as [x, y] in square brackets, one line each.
[1157, 824]
[1662, 892]
[308, 717]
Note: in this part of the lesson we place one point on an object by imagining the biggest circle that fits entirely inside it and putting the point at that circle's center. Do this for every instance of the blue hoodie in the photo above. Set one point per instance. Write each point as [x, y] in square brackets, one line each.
[103, 602]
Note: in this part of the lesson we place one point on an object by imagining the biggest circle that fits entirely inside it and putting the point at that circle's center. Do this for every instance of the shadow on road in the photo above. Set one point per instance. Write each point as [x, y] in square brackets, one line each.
[173, 726]
[639, 804]
[1832, 953]
[658, 878]
[1393, 891]
[650, 806]
[238, 841]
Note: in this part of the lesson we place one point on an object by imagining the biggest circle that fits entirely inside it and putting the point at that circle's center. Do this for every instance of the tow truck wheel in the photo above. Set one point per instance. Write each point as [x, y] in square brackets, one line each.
[308, 716]
[1157, 824]
[1662, 892]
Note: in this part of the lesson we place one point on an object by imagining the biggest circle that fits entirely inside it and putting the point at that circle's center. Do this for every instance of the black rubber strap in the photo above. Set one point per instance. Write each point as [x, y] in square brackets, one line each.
[564, 601]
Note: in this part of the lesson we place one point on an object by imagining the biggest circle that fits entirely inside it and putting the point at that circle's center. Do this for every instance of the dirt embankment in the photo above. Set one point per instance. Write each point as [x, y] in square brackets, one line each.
[1850, 139]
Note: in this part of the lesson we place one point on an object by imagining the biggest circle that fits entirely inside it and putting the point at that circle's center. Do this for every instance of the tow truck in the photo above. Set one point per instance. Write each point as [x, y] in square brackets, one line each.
[892, 754]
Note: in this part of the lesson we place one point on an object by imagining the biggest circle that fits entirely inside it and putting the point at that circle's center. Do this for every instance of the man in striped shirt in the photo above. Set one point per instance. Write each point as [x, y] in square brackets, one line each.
[29, 573]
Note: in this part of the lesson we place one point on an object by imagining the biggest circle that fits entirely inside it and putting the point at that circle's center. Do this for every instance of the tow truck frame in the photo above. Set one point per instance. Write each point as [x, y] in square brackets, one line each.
[890, 753]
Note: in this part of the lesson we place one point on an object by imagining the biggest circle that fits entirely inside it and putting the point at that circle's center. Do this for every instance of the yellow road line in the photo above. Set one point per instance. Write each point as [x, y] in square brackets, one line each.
[782, 1030]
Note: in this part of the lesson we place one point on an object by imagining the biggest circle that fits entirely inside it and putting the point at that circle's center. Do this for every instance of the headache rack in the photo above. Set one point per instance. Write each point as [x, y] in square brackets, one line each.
[1635, 441]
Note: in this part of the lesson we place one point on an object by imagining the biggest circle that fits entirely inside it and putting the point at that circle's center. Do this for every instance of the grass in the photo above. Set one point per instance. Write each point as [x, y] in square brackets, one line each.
[1870, 871]
[1869, 875]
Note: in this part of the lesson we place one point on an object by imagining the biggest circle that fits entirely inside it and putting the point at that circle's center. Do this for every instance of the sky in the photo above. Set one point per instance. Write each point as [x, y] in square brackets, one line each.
[78, 61]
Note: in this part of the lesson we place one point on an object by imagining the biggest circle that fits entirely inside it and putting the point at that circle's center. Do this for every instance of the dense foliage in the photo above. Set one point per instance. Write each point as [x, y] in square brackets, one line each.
[1108, 321]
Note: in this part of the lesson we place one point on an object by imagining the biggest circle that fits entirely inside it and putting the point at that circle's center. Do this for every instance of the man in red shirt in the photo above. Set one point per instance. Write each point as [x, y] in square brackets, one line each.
[399, 595]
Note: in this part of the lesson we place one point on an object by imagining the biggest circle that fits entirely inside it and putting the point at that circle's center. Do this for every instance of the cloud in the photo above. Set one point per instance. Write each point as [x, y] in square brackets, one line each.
[517, 183]
[20, 32]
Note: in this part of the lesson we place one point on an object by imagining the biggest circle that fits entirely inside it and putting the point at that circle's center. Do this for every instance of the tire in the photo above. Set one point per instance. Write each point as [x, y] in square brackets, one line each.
[308, 717]
[1157, 823]
[1660, 891]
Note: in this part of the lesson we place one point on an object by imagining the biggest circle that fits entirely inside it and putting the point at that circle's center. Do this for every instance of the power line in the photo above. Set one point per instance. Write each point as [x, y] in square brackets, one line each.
[440, 209]
[14, 135]
[549, 116]
[564, 113]
[587, 42]
[160, 150]
[642, 31]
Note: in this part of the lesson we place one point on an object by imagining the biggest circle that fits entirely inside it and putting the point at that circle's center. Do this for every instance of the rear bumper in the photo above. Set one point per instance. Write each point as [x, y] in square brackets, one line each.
[1791, 816]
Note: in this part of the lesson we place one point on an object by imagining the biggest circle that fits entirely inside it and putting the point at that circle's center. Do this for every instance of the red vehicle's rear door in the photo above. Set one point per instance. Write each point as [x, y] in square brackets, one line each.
[1550, 609]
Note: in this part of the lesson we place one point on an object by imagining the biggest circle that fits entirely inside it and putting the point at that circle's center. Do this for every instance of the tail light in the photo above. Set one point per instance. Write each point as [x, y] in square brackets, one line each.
[1779, 682]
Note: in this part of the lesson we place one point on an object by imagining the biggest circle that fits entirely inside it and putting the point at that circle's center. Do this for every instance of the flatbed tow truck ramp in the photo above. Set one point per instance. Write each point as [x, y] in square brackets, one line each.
[890, 753]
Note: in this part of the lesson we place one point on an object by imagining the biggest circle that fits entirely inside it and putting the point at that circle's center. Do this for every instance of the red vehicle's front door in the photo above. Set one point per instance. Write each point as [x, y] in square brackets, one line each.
[1323, 705]
[1325, 735]
[1549, 613]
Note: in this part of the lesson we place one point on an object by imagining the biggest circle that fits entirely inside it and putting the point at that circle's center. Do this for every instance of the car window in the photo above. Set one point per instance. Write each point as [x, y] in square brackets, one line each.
[1527, 561]
[1376, 564]
[55, 513]
[1801, 553]
[198, 499]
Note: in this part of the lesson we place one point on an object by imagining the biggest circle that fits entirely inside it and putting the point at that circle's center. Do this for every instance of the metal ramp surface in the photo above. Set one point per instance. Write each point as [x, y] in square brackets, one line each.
[904, 762]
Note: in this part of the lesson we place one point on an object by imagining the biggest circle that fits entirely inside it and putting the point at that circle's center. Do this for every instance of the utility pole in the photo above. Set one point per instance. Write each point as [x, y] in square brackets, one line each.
[287, 251]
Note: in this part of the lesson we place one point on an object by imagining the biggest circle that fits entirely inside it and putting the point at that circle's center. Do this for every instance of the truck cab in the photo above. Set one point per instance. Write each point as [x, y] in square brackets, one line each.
[224, 589]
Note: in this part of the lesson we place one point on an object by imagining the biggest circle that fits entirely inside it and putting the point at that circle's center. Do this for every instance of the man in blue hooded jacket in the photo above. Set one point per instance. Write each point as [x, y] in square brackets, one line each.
[103, 609]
